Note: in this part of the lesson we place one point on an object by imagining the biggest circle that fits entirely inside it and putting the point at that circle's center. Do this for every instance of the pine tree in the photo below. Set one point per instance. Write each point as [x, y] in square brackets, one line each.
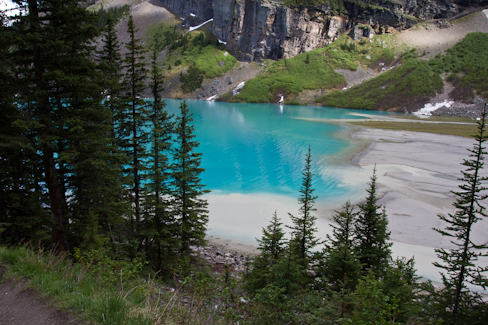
[59, 93]
[272, 241]
[134, 123]
[111, 65]
[341, 266]
[189, 208]
[371, 232]
[459, 263]
[272, 247]
[159, 224]
[20, 190]
[303, 228]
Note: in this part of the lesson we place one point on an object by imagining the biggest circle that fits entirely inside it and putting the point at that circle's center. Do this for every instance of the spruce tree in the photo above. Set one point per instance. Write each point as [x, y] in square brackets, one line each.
[110, 64]
[272, 249]
[21, 194]
[371, 233]
[272, 241]
[159, 224]
[189, 208]
[134, 122]
[459, 263]
[340, 265]
[303, 229]
[59, 94]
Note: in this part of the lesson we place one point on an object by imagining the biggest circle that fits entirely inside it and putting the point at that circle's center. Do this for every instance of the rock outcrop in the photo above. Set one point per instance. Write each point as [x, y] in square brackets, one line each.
[259, 29]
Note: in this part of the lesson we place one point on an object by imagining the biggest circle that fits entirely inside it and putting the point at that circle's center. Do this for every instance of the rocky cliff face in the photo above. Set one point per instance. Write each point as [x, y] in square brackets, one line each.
[258, 29]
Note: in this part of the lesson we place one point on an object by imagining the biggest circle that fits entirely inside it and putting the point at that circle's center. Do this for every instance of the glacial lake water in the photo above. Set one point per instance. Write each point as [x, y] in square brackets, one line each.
[253, 156]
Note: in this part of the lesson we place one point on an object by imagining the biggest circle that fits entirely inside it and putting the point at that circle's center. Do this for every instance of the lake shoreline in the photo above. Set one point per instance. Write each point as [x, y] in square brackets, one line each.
[416, 173]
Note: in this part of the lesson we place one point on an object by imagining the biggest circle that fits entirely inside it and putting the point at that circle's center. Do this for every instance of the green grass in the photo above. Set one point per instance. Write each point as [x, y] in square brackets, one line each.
[412, 83]
[462, 130]
[84, 289]
[415, 82]
[199, 48]
[207, 59]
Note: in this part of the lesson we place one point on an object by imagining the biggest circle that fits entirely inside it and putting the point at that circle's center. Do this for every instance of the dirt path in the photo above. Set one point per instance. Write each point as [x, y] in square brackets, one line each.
[22, 306]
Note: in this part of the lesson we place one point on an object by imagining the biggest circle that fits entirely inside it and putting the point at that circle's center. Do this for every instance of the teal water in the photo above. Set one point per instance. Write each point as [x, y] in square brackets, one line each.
[261, 148]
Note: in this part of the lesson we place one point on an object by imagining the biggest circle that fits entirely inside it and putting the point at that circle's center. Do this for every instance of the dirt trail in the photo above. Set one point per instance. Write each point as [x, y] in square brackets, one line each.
[22, 306]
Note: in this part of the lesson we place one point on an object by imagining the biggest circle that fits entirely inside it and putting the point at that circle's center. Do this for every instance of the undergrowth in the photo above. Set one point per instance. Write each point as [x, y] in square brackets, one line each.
[106, 291]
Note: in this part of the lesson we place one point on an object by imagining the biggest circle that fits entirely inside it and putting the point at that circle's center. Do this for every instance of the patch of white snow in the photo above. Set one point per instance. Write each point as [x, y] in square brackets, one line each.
[212, 98]
[193, 15]
[196, 27]
[238, 88]
[429, 108]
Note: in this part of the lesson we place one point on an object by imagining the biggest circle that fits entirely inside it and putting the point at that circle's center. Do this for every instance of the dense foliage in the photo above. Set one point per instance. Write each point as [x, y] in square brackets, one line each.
[79, 167]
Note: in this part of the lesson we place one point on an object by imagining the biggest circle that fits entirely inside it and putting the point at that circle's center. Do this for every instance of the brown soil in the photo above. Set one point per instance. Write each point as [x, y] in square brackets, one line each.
[20, 305]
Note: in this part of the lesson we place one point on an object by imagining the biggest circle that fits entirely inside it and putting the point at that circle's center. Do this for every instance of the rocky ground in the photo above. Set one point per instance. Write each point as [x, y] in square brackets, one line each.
[218, 258]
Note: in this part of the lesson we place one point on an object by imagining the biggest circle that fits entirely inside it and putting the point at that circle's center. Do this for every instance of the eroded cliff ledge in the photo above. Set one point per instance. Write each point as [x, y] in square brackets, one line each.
[259, 29]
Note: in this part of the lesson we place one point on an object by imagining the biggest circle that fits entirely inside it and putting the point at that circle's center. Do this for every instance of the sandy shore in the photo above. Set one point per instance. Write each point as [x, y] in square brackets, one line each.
[416, 174]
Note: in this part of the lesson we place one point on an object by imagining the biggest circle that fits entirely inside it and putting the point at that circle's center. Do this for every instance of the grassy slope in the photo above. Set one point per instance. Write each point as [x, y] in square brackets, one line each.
[415, 81]
[313, 70]
[199, 48]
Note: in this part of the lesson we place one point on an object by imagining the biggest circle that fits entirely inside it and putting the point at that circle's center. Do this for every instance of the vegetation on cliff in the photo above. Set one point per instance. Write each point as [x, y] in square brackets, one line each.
[194, 55]
[312, 70]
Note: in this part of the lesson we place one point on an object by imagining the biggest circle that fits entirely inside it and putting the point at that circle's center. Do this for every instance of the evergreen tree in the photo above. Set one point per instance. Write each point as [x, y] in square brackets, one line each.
[159, 226]
[371, 233]
[111, 65]
[272, 247]
[134, 122]
[189, 208]
[340, 264]
[303, 228]
[272, 241]
[20, 190]
[459, 263]
[59, 94]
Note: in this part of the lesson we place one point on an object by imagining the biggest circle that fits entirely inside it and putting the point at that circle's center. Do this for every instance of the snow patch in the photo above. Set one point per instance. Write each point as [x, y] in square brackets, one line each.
[193, 15]
[486, 13]
[222, 42]
[196, 27]
[429, 108]
[212, 98]
[238, 88]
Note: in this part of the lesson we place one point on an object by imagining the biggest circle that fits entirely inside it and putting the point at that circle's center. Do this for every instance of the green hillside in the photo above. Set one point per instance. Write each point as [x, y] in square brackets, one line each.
[415, 81]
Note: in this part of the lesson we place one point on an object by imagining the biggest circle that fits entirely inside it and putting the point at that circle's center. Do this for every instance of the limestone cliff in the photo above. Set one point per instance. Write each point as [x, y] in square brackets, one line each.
[258, 29]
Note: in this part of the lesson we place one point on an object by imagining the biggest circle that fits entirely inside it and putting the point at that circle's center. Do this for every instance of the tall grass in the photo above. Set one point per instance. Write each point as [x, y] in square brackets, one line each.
[80, 288]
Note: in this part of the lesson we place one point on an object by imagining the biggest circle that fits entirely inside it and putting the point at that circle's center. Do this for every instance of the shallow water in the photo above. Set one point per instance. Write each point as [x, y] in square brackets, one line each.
[257, 148]
[253, 155]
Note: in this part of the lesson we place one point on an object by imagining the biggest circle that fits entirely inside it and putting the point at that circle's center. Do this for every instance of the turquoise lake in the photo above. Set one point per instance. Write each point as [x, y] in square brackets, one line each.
[253, 156]
[259, 148]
